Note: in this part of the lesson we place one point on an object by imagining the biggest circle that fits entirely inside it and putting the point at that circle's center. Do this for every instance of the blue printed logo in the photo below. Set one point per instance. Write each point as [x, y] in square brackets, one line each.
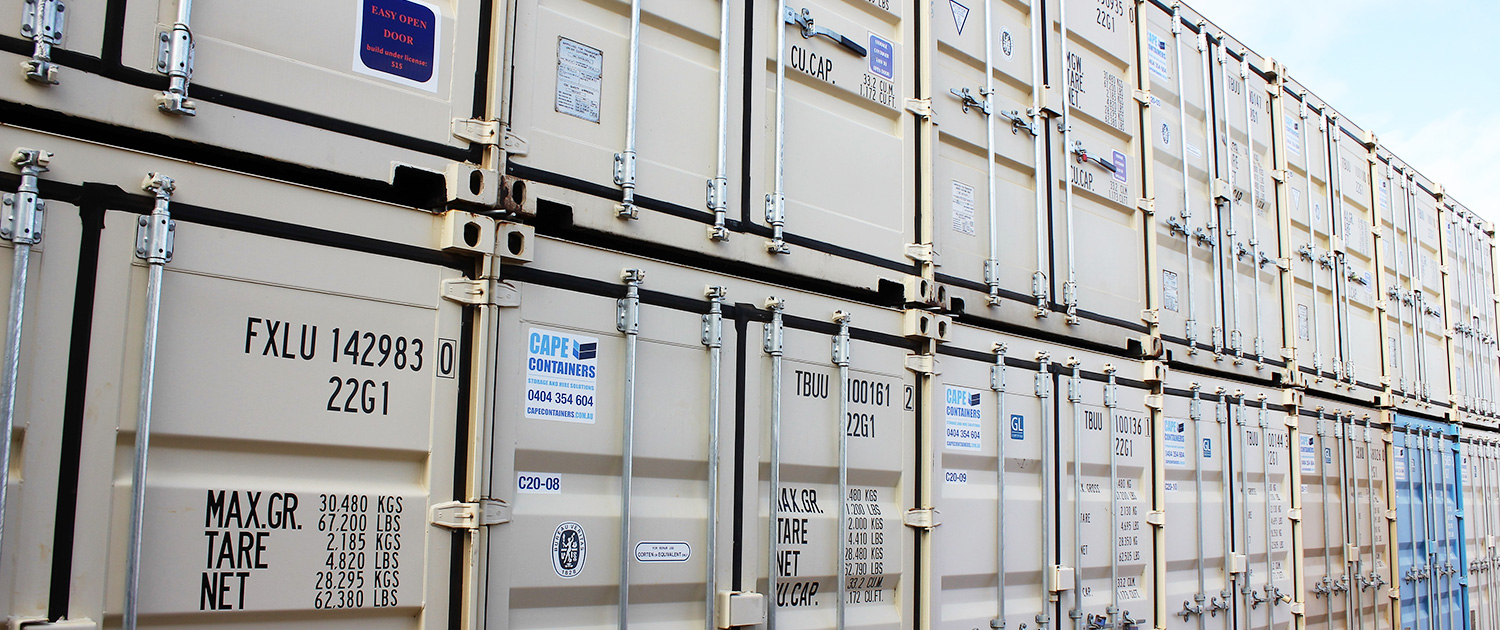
[882, 58]
[399, 37]
[1208, 447]
[1122, 172]
[1017, 426]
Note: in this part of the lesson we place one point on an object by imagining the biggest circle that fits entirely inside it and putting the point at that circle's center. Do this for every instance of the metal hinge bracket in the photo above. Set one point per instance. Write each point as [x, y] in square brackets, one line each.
[923, 518]
[1294, 514]
[920, 252]
[922, 107]
[739, 608]
[470, 516]
[21, 220]
[174, 58]
[1143, 97]
[1157, 518]
[506, 295]
[486, 132]
[466, 291]
[922, 364]
[1146, 205]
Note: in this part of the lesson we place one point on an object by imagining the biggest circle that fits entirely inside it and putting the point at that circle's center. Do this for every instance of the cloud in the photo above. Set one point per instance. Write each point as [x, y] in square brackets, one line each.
[1455, 149]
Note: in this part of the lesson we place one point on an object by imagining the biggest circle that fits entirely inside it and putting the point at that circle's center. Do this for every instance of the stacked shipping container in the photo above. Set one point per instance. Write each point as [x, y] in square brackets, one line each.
[840, 313]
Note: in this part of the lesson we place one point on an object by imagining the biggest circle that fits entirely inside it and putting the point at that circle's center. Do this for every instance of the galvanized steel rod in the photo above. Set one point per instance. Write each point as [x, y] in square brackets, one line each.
[998, 384]
[1352, 511]
[1428, 522]
[625, 162]
[1247, 590]
[1374, 580]
[1408, 456]
[1255, 253]
[992, 265]
[1215, 230]
[1230, 230]
[1195, 415]
[1395, 293]
[1075, 400]
[1342, 435]
[1419, 317]
[1114, 500]
[1273, 595]
[1221, 413]
[1345, 364]
[840, 354]
[1044, 392]
[25, 231]
[1327, 582]
[1190, 327]
[713, 338]
[179, 65]
[1445, 476]
[155, 249]
[628, 322]
[1039, 286]
[773, 347]
[776, 199]
[1070, 288]
[1314, 260]
[718, 187]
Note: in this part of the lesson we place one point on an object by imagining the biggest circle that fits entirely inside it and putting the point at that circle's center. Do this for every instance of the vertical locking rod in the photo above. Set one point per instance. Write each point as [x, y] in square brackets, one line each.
[840, 354]
[773, 347]
[718, 187]
[178, 65]
[628, 321]
[24, 210]
[625, 161]
[155, 247]
[997, 383]
[713, 338]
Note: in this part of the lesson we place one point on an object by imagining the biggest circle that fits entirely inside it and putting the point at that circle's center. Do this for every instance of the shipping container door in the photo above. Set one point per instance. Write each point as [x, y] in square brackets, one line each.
[875, 559]
[41, 391]
[1184, 201]
[1428, 308]
[1106, 459]
[1433, 516]
[1260, 460]
[1471, 478]
[1096, 167]
[573, 375]
[1361, 350]
[1367, 520]
[308, 411]
[1250, 216]
[1316, 329]
[1482, 516]
[415, 58]
[993, 518]
[1197, 532]
[1399, 261]
[1323, 527]
[972, 226]
[1411, 531]
[843, 157]
[571, 96]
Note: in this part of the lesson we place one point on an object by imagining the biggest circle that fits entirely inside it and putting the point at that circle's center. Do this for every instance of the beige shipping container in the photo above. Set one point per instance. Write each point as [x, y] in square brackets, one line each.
[1480, 476]
[1344, 557]
[246, 81]
[1215, 196]
[1413, 283]
[310, 403]
[1470, 311]
[773, 136]
[799, 484]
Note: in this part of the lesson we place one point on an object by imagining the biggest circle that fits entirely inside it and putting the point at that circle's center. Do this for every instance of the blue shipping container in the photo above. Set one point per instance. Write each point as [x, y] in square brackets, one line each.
[1429, 526]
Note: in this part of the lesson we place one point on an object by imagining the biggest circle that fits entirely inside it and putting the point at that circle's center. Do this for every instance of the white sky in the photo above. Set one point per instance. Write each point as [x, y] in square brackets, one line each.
[1421, 75]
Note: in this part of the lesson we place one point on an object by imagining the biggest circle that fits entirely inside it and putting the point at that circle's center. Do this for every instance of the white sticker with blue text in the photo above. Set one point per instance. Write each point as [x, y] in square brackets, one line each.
[961, 411]
[561, 376]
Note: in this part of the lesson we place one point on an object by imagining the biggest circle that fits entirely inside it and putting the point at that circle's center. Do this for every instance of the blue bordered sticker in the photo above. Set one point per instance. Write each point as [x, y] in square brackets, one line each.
[397, 40]
[882, 58]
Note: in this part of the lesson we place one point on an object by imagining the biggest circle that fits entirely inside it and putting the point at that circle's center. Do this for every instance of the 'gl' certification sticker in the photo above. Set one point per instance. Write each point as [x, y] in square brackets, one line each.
[397, 40]
[569, 550]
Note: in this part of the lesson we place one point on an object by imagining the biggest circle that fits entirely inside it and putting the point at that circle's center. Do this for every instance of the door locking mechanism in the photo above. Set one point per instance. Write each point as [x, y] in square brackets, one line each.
[810, 29]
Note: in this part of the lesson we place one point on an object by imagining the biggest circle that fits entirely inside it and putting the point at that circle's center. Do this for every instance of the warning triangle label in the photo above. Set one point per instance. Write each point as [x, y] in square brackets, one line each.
[960, 15]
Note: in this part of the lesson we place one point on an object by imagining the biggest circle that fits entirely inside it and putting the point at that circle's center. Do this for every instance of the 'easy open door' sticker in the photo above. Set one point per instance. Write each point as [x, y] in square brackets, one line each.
[397, 40]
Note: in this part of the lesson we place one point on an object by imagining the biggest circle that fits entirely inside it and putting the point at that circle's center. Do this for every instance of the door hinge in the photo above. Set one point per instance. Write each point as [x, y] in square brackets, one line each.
[485, 132]
[920, 252]
[466, 291]
[461, 515]
[920, 324]
[923, 518]
[922, 363]
[42, 21]
[1143, 97]
[1294, 514]
[1146, 205]
[1157, 518]
[174, 58]
[507, 295]
[739, 608]
[922, 107]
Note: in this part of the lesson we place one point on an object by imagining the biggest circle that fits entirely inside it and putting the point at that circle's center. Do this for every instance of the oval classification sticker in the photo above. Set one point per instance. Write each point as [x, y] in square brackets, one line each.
[569, 550]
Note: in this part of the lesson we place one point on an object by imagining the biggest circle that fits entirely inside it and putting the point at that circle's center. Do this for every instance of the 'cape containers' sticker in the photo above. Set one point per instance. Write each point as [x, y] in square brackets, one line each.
[561, 376]
[398, 41]
[962, 413]
[1175, 446]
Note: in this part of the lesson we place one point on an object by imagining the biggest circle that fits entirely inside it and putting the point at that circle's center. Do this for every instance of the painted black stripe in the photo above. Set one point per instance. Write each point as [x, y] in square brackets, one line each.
[614, 194]
[27, 116]
[741, 368]
[457, 551]
[65, 523]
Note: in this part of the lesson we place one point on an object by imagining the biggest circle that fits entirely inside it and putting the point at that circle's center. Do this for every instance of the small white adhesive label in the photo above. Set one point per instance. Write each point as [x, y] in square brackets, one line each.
[963, 208]
[1174, 443]
[1169, 289]
[538, 483]
[561, 376]
[1309, 453]
[658, 551]
[1157, 57]
[956, 477]
[1294, 134]
[580, 77]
